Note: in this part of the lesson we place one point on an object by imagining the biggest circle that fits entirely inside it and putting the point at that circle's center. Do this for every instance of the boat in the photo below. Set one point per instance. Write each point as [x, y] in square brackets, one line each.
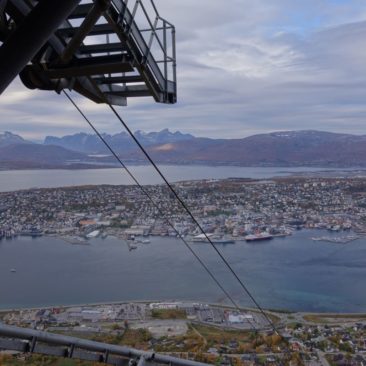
[201, 238]
[215, 239]
[75, 240]
[93, 234]
[258, 237]
[142, 241]
[13, 270]
[33, 232]
[337, 239]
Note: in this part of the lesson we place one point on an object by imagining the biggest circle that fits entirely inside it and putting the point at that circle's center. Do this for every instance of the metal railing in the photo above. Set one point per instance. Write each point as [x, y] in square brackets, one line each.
[145, 37]
[34, 341]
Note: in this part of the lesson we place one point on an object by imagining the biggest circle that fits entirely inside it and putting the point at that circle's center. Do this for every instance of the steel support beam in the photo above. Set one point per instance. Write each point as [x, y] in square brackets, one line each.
[128, 91]
[71, 347]
[98, 29]
[103, 48]
[81, 11]
[84, 29]
[119, 79]
[3, 21]
[92, 66]
[29, 37]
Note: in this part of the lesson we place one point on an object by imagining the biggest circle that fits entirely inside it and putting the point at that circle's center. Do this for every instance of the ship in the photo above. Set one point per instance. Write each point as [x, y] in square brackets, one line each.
[337, 239]
[142, 241]
[258, 237]
[34, 232]
[94, 234]
[215, 239]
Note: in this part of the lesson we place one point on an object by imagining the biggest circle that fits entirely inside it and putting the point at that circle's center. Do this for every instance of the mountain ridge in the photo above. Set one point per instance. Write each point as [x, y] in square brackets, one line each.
[281, 148]
[8, 138]
[91, 144]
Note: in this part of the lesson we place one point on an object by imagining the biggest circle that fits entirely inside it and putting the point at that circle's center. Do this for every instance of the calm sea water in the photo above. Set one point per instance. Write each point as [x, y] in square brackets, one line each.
[292, 273]
[24, 179]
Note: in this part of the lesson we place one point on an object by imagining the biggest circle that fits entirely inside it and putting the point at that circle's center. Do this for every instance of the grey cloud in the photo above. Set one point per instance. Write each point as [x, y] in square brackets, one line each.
[244, 67]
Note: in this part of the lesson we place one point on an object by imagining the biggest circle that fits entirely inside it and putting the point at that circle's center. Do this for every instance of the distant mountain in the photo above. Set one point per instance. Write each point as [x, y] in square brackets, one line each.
[81, 142]
[91, 144]
[35, 155]
[292, 148]
[289, 148]
[8, 138]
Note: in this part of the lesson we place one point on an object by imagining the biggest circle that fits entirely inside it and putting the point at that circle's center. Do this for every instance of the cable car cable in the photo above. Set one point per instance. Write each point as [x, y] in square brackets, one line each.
[210, 273]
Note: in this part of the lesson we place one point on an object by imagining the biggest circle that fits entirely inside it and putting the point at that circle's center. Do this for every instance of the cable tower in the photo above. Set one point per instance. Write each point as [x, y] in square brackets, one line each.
[106, 50]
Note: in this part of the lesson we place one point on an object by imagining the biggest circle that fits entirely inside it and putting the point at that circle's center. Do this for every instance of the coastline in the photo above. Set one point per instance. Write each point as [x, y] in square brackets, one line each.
[26, 179]
[285, 272]
[314, 300]
[281, 315]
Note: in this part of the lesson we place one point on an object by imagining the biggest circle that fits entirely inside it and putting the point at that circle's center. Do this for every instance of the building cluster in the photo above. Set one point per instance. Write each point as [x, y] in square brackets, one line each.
[90, 317]
[232, 207]
[228, 332]
[339, 344]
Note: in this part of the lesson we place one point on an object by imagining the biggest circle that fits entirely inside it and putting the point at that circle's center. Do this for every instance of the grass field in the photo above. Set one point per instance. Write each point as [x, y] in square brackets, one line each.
[328, 318]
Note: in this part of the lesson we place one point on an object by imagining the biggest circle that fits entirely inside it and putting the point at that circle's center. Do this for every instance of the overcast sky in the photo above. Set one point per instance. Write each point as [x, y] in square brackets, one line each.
[244, 67]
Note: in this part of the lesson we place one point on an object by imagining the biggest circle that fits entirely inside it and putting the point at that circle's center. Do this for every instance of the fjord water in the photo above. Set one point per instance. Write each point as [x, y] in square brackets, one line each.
[25, 179]
[293, 273]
